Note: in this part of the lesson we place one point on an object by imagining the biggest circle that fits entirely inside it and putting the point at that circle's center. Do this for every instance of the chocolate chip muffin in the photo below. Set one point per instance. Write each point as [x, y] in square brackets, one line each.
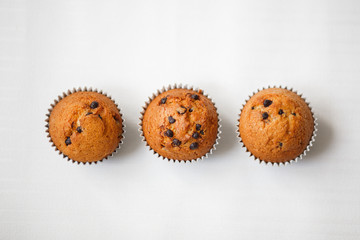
[276, 125]
[180, 124]
[85, 126]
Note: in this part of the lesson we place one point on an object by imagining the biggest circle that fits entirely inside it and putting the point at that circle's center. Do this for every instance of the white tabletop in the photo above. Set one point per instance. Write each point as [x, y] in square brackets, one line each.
[130, 49]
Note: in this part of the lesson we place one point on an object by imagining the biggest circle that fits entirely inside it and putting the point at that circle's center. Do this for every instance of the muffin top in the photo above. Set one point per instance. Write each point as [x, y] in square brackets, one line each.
[276, 125]
[85, 126]
[180, 124]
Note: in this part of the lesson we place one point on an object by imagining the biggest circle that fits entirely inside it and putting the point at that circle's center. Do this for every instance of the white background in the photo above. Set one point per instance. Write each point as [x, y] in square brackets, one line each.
[130, 49]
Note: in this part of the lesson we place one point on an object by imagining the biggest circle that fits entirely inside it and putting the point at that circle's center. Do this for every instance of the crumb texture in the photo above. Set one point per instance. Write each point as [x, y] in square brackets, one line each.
[181, 124]
[276, 125]
[86, 126]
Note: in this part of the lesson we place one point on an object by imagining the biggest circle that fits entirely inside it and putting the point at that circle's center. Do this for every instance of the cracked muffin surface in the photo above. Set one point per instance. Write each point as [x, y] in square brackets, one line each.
[85, 126]
[276, 125]
[180, 124]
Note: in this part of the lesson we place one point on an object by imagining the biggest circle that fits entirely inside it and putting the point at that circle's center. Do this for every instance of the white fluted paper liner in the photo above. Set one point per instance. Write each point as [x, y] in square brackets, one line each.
[164, 89]
[307, 149]
[85, 89]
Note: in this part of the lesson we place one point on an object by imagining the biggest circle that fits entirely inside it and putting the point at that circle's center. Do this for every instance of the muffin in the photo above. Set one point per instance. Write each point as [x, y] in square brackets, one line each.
[85, 126]
[180, 124]
[276, 125]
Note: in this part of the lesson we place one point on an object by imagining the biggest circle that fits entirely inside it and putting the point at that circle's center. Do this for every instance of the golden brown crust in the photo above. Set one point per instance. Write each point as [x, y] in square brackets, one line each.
[100, 128]
[187, 111]
[280, 137]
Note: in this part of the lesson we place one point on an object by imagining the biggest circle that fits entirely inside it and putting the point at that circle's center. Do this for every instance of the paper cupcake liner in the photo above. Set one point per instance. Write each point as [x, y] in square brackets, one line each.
[85, 89]
[307, 149]
[164, 89]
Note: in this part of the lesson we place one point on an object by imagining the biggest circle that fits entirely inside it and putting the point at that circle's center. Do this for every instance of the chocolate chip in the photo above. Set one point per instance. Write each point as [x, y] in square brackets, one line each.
[293, 114]
[163, 100]
[190, 110]
[281, 112]
[94, 105]
[68, 141]
[79, 129]
[198, 127]
[267, 103]
[99, 116]
[176, 142]
[195, 135]
[252, 108]
[195, 96]
[194, 146]
[88, 113]
[280, 144]
[265, 115]
[202, 132]
[181, 110]
[171, 119]
[169, 133]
